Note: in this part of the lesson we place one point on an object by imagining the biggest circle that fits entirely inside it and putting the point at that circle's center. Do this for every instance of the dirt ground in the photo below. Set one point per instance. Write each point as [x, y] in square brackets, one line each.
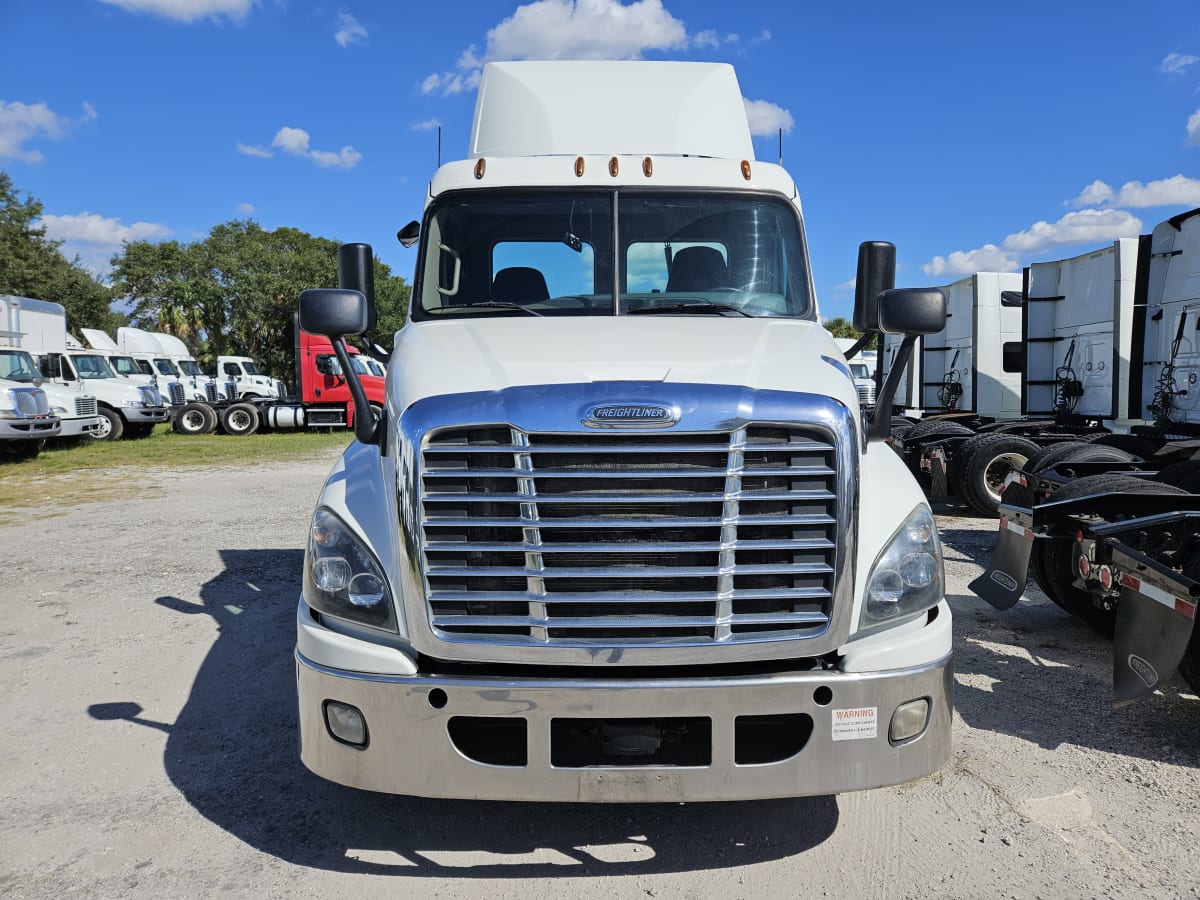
[149, 746]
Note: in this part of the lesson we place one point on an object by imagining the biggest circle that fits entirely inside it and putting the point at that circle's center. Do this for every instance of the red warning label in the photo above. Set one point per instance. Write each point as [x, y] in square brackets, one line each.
[855, 724]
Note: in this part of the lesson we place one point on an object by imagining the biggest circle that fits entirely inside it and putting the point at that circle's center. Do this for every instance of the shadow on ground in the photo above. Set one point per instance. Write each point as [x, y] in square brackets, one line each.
[233, 753]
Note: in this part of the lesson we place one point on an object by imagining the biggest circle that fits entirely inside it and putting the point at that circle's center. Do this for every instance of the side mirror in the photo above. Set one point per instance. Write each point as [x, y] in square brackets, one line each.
[356, 272]
[911, 311]
[876, 274]
[333, 312]
[409, 234]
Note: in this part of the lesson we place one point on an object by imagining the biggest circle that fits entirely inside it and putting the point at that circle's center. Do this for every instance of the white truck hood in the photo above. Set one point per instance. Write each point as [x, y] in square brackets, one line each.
[491, 354]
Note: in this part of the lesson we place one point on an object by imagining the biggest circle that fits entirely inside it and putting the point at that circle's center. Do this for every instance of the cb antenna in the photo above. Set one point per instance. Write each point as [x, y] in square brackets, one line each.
[781, 146]
[439, 159]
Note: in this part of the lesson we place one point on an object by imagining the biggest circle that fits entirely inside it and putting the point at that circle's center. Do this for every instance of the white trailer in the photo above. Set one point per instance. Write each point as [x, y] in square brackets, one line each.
[1166, 387]
[622, 532]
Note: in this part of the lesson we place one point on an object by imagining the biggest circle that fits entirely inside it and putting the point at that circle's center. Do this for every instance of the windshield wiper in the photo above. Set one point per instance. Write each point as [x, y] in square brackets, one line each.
[690, 306]
[488, 304]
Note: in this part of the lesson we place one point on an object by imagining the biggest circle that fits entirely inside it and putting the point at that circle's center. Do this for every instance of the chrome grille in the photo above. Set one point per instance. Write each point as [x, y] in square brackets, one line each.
[177, 396]
[30, 401]
[629, 540]
[210, 391]
[866, 392]
[231, 390]
[85, 406]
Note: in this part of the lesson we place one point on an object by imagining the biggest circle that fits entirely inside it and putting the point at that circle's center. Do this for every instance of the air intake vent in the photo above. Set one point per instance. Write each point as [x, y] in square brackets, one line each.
[620, 540]
[85, 407]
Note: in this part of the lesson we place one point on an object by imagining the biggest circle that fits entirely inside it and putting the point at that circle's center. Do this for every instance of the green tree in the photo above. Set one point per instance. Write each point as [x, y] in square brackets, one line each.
[32, 265]
[235, 291]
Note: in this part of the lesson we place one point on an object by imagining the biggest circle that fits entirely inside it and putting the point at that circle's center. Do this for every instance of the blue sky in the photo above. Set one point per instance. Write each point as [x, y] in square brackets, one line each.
[976, 137]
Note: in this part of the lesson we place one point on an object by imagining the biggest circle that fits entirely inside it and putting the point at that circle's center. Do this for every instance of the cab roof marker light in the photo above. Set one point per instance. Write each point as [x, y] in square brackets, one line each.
[579, 166]
[480, 168]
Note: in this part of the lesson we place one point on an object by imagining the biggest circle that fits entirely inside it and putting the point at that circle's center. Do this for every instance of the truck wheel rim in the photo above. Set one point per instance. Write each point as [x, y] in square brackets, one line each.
[998, 469]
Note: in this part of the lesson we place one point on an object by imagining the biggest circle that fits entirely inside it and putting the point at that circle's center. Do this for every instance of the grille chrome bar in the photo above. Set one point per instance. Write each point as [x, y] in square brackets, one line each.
[619, 540]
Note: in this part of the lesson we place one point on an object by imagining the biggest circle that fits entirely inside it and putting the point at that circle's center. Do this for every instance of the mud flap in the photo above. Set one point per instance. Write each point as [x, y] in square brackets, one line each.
[939, 488]
[1003, 582]
[1152, 633]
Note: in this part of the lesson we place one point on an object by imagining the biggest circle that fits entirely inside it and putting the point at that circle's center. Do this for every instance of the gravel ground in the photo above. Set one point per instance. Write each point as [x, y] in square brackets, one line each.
[149, 747]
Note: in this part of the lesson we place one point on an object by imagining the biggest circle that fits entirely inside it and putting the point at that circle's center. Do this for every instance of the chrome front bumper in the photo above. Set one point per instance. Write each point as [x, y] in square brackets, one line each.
[154, 414]
[410, 750]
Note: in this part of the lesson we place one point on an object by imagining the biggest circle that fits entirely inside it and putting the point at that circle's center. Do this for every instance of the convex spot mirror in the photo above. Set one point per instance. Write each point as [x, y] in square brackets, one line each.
[333, 312]
[911, 311]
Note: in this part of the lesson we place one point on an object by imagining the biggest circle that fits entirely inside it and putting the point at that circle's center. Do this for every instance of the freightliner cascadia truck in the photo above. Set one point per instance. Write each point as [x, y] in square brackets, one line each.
[622, 531]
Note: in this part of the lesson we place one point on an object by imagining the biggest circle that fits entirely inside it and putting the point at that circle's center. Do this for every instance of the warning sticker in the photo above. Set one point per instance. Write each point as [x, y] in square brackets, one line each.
[855, 724]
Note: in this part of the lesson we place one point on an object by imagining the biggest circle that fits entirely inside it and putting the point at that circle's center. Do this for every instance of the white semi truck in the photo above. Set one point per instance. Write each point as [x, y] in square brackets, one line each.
[125, 409]
[622, 532]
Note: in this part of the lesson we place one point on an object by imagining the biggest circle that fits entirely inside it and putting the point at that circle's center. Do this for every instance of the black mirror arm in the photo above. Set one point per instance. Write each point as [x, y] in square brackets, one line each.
[881, 425]
[859, 344]
[366, 429]
[373, 350]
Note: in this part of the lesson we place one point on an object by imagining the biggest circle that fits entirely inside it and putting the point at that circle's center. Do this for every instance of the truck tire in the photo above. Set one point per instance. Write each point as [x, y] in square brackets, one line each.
[1090, 453]
[1053, 454]
[984, 462]
[1185, 475]
[239, 419]
[928, 429]
[1140, 447]
[194, 418]
[112, 426]
[16, 451]
[139, 430]
[1058, 558]
[1189, 666]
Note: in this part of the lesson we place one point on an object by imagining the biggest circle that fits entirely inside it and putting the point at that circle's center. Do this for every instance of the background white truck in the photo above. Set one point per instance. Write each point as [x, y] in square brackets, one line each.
[622, 532]
[125, 409]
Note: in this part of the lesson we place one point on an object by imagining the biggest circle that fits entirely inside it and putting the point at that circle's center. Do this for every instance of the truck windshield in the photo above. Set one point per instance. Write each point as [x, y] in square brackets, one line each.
[585, 253]
[860, 370]
[124, 365]
[17, 365]
[165, 367]
[190, 367]
[250, 368]
[90, 366]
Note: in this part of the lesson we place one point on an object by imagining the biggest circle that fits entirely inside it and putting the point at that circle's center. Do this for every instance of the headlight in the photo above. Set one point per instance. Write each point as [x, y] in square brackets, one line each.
[341, 577]
[135, 404]
[907, 577]
[59, 410]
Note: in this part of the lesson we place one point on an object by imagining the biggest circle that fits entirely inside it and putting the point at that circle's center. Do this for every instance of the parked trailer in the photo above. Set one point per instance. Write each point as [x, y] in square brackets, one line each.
[1117, 542]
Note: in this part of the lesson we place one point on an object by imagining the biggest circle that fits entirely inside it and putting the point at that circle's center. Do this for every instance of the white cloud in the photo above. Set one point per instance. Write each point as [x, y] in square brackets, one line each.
[1193, 129]
[1178, 190]
[95, 238]
[766, 118]
[569, 29]
[188, 11]
[24, 122]
[706, 39]
[585, 29]
[1086, 226]
[260, 152]
[1177, 63]
[350, 31]
[346, 158]
[427, 125]
[296, 142]
[988, 258]
[246, 209]
[1083, 227]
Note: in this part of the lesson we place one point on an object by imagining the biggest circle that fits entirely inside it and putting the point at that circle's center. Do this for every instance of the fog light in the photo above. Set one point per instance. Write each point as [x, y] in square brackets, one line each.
[346, 723]
[908, 720]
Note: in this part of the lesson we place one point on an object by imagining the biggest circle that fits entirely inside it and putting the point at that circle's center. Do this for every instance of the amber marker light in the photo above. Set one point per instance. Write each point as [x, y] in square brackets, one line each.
[647, 167]
[480, 167]
[579, 167]
[613, 167]
[746, 169]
